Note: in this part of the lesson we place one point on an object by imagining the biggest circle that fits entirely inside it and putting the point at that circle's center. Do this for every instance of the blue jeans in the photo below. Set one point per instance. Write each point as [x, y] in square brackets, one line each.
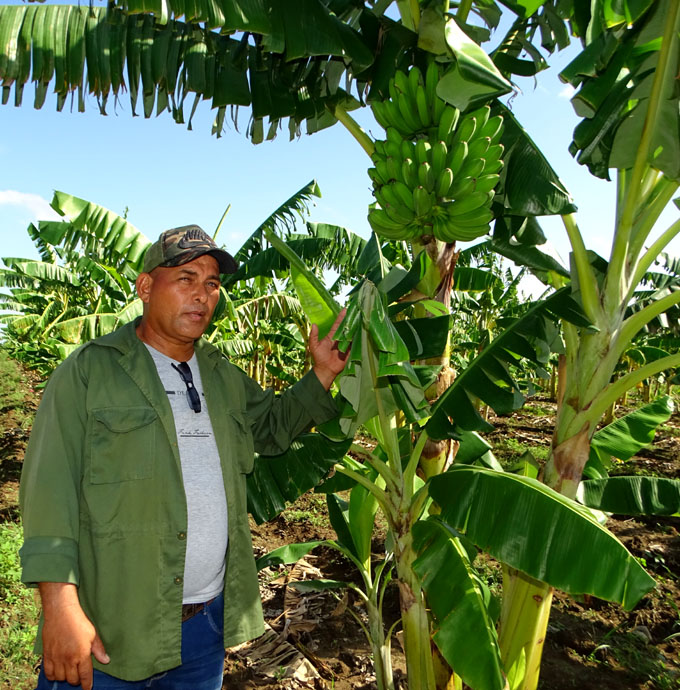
[202, 660]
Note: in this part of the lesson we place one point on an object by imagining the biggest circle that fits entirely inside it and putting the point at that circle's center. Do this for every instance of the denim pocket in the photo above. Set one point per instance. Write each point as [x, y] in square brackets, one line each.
[214, 613]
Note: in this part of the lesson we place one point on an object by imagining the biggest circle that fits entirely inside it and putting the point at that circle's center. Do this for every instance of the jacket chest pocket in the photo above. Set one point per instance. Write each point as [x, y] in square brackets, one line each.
[122, 444]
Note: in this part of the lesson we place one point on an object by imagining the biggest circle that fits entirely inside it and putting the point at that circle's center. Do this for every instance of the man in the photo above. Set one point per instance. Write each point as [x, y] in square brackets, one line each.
[133, 488]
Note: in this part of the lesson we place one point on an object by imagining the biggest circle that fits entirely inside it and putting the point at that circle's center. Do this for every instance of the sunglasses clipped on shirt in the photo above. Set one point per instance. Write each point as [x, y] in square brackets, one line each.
[184, 372]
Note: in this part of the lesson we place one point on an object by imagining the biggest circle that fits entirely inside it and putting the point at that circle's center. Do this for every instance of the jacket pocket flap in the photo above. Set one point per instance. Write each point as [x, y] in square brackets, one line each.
[124, 419]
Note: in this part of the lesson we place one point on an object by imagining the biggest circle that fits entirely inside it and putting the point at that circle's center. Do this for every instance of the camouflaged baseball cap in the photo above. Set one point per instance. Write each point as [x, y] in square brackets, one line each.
[181, 245]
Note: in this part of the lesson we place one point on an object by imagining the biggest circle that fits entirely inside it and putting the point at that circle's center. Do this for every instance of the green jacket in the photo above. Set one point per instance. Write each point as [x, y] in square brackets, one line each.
[102, 498]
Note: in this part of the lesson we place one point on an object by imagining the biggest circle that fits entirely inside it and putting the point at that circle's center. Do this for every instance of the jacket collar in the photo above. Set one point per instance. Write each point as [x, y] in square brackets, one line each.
[125, 340]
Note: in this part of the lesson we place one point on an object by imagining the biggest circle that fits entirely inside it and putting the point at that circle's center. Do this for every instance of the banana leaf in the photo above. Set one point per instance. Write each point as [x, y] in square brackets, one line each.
[527, 525]
[176, 59]
[290, 553]
[487, 377]
[473, 78]
[624, 437]
[463, 630]
[97, 233]
[632, 495]
[614, 73]
[529, 185]
[276, 480]
[40, 270]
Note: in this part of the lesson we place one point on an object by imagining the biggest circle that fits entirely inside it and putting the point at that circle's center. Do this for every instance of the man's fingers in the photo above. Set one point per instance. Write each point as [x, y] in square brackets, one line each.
[48, 666]
[73, 676]
[313, 337]
[99, 652]
[338, 321]
[85, 674]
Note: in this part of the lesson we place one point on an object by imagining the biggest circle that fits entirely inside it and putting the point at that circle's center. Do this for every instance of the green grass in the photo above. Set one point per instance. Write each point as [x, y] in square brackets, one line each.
[18, 615]
[314, 513]
[13, 391]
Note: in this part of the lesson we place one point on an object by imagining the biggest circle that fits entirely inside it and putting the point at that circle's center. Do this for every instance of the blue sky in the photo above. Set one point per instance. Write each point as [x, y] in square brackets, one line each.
[167, 176]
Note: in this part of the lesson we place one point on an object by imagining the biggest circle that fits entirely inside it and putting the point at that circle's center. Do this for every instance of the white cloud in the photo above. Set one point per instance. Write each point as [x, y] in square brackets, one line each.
[34, 204]
[567, 92]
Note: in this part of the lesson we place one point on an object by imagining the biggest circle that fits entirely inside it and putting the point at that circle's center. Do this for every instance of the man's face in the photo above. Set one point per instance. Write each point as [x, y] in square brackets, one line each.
[180, 300]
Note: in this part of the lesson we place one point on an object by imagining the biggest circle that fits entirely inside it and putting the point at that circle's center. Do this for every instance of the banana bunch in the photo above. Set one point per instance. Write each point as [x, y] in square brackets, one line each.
[436, 172]
[413, 106]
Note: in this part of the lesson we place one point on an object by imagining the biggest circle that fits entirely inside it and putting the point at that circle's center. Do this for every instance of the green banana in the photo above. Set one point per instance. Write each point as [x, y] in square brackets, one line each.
[438, 154]
[375, 176]
[425, 176]
[444, 182]
[423, 107]
[422, 201]
[442, 230]
[493, 129]
[422, 151]
[383, 171]
[399, 214]
[401, 82]
[493, 166]
[407, 149]
[415, 79]
[478, 147]
[478, 216]
[473, 167]
[471, 202]
[457, 157]
[378, 108]
[409, 173]
[486, 183]
[393, 168]
[378, 216]
[495, 151]
[470, 234]
[395, 204]
[465, 130]
[480, 116]
[393, 135]
[404, 194]
[461, 187]
[408, 110]
[395, 117]
[393, 149]
[447, 122]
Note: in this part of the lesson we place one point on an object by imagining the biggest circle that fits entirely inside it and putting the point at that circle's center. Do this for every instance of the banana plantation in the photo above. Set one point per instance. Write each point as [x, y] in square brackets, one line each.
[446, 349]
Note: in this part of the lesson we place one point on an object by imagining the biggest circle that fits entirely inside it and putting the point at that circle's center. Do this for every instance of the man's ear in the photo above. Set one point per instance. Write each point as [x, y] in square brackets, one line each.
[143, 285]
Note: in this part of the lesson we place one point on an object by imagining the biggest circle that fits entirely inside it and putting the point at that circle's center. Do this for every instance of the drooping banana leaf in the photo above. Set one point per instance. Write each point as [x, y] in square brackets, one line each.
[276, 480]
[39, 270]
[529, 185]
[632, 495]
[487, 377]
[97, 233]
[626, 436]
[173, 60]
[463, 630]
[523, 523]
[614, 73]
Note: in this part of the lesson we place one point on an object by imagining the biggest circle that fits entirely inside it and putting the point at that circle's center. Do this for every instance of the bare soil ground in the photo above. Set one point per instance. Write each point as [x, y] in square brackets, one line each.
[316, 641]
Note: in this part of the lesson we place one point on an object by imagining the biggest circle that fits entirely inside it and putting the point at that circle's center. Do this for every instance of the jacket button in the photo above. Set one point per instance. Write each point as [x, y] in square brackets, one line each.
[179, 580]
[181, 535]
